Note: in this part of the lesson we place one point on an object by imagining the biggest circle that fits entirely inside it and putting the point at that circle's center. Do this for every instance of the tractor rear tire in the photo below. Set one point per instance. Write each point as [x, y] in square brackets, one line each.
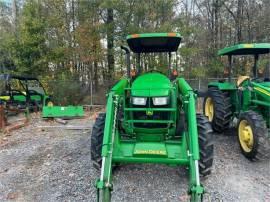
[222, 111]
[97, 140]
[206, 145]
[253, 136]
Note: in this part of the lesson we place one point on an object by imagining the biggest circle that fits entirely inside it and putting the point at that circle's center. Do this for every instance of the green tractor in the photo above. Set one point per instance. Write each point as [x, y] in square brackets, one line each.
[247, 100]
[151, 118]
[22, 91]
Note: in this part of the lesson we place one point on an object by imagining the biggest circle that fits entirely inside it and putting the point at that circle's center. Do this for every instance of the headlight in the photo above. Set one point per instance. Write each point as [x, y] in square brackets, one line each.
[157, 101]
[138, 100]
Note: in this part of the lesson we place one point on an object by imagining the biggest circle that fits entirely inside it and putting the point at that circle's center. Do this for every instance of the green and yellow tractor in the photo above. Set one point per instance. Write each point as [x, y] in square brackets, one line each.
[151, 118]
[246, 101]
[22, 91]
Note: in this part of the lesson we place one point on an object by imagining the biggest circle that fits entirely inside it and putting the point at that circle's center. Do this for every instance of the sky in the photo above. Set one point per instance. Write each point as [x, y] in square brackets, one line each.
[5, 1]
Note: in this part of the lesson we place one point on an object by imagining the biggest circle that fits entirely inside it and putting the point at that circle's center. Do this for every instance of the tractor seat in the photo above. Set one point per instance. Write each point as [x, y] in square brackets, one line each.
[241, 79]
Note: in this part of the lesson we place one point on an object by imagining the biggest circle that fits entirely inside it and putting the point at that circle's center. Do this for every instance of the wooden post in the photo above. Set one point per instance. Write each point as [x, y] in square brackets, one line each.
[2, 116]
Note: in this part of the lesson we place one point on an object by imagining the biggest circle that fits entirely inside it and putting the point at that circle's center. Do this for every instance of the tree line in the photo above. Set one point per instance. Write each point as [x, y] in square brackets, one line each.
[79, 39]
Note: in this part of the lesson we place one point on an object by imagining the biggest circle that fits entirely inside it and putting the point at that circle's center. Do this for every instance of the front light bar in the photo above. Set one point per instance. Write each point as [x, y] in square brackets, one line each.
[159, 101]
[139, 101]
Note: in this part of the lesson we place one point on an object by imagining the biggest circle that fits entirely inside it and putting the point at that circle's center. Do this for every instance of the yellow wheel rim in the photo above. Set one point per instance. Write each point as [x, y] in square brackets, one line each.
[209, 108]
[245, 136]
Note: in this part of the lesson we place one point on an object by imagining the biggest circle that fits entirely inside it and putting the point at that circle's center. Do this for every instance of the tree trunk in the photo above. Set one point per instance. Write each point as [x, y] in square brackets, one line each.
[15, 18]
[239, 20]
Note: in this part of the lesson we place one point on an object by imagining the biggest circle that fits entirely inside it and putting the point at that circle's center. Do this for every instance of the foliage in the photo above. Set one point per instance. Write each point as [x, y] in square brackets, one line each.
[29, 50]
[81, 39]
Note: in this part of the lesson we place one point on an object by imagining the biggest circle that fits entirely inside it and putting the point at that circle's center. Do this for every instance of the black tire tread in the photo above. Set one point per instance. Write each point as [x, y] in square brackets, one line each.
[97, 140]
[206, 145]
[222, 109]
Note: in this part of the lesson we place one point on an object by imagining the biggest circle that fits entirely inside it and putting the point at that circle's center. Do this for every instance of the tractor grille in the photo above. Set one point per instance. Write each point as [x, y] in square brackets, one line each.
[157, 115]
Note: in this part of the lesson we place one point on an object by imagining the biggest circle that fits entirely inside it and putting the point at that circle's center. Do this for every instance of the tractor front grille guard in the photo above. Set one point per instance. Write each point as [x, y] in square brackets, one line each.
[149, 116]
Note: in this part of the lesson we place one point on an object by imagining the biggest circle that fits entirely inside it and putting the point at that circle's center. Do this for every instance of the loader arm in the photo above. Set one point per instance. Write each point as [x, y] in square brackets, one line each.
[187, 97]
[104, 183]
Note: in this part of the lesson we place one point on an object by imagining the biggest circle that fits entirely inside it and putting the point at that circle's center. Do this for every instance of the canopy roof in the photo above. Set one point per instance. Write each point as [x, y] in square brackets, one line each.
[154, 42]
[11, 76]
[246, 49]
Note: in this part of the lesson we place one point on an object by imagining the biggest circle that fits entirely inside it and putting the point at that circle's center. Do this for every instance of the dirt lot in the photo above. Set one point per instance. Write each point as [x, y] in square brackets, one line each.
[53, 164]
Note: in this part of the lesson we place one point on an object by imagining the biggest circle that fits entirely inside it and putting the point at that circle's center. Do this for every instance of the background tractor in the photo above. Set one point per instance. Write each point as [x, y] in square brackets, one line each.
[151, 118]
[247, 100]
[22, 91]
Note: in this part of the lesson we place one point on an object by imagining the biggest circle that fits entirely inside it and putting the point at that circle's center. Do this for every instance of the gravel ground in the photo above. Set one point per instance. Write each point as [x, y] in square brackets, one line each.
[54, 165]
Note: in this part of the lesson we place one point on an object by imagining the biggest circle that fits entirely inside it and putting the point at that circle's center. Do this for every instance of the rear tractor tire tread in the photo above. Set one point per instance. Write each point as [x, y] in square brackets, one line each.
[206, 145]
[222, 109]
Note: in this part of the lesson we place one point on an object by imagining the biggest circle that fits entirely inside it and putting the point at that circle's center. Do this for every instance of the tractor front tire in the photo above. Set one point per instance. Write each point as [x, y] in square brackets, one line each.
[253, 136]
[206, 145]
[97, 140]
[217, 108]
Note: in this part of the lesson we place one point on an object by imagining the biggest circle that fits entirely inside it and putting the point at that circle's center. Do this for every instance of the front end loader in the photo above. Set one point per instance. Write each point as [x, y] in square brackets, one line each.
[247, 101]
[151, 118]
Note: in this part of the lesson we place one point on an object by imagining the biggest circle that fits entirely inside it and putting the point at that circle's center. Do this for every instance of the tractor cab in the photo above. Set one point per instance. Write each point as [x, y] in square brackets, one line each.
[152, 46]
[244, 83]
[255, 50]
[151, 92]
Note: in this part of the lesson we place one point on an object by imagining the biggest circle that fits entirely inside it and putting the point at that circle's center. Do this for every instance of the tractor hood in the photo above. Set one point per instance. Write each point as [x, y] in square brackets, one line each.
[262, 90]
[266, 84]
[151, 85]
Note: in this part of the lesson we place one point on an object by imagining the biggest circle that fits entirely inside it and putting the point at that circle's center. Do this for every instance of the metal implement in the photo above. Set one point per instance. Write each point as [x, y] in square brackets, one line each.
[62, 111]
[151, 119]
[247, 99]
